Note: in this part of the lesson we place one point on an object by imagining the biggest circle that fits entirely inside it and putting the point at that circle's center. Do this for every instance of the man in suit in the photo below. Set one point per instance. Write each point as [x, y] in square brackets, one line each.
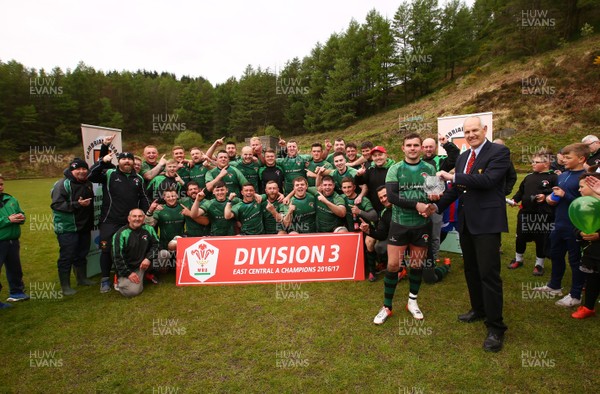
[479, 184]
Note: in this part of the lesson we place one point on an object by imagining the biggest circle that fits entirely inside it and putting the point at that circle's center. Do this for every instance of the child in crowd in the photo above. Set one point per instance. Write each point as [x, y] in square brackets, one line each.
[562, 237]
[535, 217]
[590, 259]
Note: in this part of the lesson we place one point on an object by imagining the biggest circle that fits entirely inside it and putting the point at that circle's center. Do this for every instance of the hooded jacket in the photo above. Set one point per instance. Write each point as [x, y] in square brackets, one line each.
[68, 215]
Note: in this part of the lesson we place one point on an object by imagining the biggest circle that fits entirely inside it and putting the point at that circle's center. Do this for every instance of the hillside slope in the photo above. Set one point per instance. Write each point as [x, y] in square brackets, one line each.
[547, 100]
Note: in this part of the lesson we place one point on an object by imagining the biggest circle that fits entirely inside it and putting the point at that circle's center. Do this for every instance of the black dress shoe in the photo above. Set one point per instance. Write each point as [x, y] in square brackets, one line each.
[493, 342]
[471, 316]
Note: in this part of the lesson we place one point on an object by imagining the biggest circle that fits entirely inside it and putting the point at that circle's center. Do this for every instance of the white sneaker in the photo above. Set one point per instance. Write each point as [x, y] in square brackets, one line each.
[550, 290]
[413, 308]
[382, 316]
[568, 301]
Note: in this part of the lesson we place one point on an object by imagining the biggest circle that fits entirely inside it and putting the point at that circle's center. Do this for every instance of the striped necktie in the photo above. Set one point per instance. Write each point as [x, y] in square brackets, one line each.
[471, 162]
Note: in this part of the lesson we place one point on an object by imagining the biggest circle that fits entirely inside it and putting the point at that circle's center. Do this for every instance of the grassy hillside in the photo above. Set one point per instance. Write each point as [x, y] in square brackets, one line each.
[548, 100]
[564, 106]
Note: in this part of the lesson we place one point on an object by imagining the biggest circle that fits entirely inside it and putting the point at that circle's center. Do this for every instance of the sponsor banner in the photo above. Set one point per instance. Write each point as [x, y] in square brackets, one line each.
[452, 128]
[270, 259]
[92, 137]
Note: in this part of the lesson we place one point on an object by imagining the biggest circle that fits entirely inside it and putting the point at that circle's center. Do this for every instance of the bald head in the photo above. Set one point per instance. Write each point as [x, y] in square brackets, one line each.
[474, 131]
[429, 146]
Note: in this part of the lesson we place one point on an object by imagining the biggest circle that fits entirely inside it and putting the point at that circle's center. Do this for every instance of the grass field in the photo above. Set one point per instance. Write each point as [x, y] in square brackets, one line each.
[247, 339]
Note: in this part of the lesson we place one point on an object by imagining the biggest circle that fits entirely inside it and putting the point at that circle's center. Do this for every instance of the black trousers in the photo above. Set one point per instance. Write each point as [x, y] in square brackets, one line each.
[481, 255]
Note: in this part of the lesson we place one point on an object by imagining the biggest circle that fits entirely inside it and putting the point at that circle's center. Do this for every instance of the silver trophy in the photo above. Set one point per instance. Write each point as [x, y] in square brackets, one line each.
[433, 185]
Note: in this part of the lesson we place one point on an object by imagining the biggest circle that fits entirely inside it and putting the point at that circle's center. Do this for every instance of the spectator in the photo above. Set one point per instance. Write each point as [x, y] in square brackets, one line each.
[590, 260]
[535, 218]
[11, 219]
[563, 236]
[594, 145]
[73, 211]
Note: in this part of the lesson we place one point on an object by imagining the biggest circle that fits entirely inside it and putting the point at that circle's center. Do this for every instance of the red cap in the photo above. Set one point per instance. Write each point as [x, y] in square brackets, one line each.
[378, 148]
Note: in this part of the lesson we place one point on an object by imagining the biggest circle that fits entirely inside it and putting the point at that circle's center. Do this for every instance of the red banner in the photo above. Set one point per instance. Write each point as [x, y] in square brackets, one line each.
[270, 259]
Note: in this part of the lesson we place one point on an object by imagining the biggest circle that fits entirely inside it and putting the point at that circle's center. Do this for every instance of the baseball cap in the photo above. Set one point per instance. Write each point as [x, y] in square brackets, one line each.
[378, 148]
[125, 155]
[78, 163]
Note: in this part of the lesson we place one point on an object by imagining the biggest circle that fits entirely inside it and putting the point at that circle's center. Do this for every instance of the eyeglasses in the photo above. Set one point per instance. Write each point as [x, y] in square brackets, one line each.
[591, 143]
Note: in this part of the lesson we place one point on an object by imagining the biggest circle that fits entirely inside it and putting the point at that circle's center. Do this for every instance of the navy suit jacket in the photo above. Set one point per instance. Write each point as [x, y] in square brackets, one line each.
[482, 203]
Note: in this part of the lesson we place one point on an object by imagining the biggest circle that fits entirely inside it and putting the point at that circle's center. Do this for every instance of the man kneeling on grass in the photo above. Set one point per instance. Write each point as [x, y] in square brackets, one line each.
[134, 247]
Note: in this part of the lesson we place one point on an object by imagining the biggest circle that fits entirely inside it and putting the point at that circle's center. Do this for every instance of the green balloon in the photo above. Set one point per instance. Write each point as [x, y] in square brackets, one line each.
[584, 213]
